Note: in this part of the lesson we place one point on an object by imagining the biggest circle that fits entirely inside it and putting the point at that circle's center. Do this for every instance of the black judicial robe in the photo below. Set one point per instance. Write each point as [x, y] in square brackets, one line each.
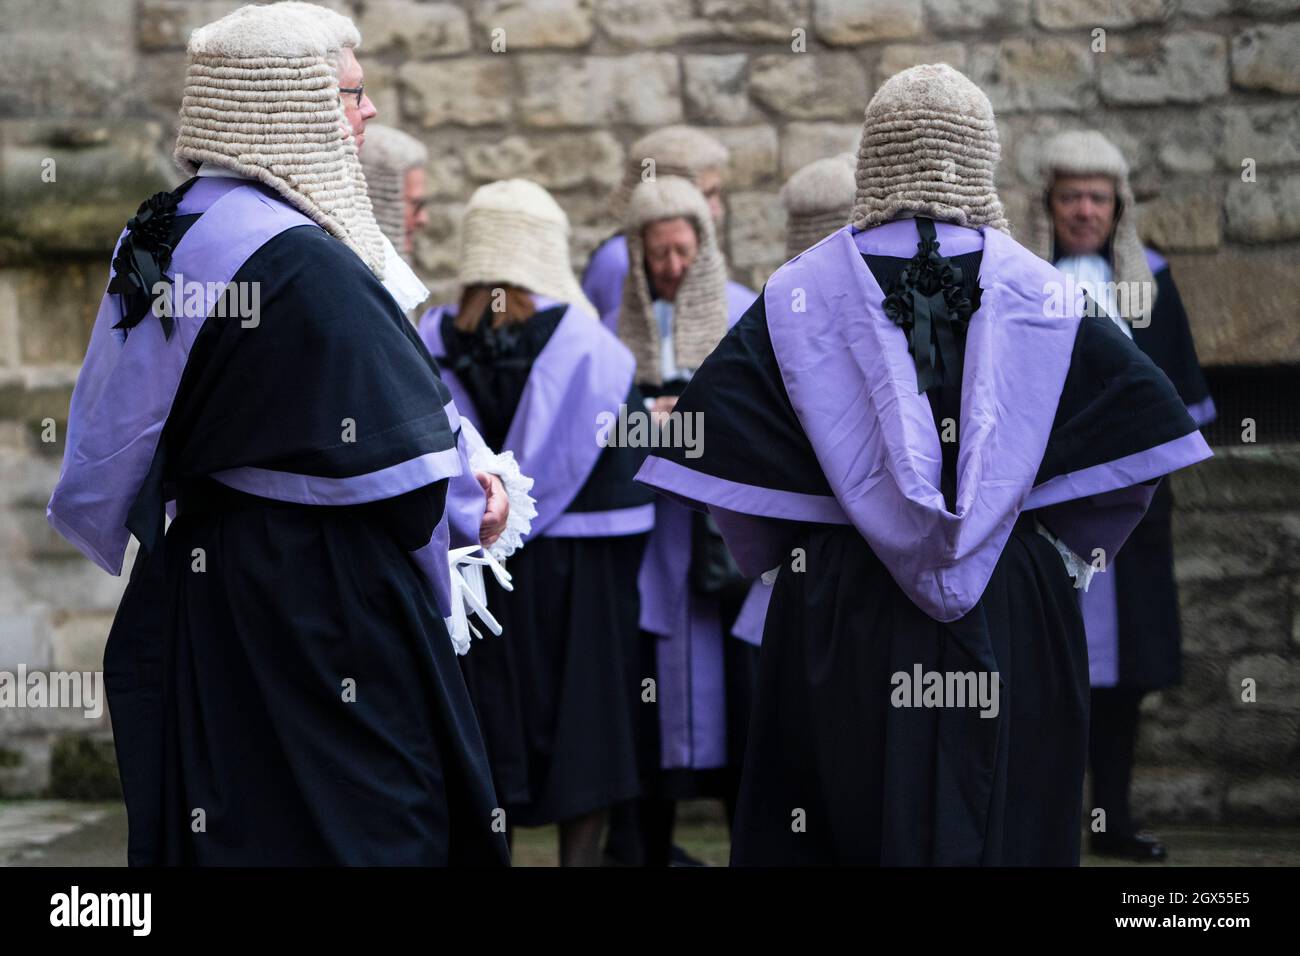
[238, 672]
[555, 692]
[1149, 628]
[835, 774]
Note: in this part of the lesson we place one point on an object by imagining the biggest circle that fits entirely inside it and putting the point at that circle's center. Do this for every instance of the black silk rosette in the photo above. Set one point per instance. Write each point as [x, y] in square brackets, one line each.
[143, 258]
[929, 303]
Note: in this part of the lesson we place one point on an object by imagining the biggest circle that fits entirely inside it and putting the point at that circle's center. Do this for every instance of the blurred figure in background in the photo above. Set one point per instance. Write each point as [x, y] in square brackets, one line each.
[394, 166]
[488, 505]
[532, 367]
[672, 151]
[675, 310]
[818, 200]
[1089, 231]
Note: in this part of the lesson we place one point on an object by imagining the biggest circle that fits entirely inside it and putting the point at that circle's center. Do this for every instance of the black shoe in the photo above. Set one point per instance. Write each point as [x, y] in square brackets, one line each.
[1142, 846]
[679, 857]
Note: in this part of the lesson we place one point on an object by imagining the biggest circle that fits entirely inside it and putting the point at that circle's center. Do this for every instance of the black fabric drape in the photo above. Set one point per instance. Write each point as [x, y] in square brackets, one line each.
[890, 785]
[550, 691]
[237, 639]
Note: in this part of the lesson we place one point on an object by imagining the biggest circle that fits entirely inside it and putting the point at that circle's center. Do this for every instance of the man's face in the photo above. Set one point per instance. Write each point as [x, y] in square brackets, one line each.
[1083, 213]
[351, 77]
[709, 183]
[670, 248]
[417, 217]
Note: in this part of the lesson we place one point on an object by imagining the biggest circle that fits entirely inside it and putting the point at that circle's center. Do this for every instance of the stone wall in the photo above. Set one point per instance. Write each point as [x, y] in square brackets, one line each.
[1208, 753]
[1190, 89]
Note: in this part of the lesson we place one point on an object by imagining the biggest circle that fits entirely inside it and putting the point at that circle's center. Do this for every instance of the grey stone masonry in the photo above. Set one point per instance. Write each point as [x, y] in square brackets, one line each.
[1202, 95]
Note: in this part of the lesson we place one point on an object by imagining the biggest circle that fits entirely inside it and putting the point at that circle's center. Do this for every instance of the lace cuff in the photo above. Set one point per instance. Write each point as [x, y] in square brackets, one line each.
[523, 509]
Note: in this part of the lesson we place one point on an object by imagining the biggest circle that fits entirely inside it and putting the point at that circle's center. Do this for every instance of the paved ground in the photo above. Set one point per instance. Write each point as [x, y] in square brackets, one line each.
[61, 833]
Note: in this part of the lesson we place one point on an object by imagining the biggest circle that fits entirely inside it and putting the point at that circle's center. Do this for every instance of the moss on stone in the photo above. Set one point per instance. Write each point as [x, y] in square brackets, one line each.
[82, 768]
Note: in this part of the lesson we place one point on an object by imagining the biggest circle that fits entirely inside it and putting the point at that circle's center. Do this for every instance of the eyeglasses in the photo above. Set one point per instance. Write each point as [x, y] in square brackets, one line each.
[359, 90]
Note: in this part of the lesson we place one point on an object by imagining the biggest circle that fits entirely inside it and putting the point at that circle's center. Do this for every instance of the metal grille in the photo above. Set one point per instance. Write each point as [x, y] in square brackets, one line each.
[1268, 394]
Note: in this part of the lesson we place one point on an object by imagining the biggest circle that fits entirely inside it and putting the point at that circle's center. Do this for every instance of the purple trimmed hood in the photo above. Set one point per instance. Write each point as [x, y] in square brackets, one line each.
[853, 386]
[128, 382]
[581, 372]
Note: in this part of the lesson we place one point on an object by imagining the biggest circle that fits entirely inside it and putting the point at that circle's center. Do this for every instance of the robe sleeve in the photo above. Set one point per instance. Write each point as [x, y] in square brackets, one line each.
[328, 399]
[466, 501]
[1120, 426]
[756, 472]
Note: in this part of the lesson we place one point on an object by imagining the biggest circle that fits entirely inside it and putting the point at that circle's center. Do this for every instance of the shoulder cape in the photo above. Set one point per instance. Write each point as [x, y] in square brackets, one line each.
[270, 394]
[812, 415]
[582, 374]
